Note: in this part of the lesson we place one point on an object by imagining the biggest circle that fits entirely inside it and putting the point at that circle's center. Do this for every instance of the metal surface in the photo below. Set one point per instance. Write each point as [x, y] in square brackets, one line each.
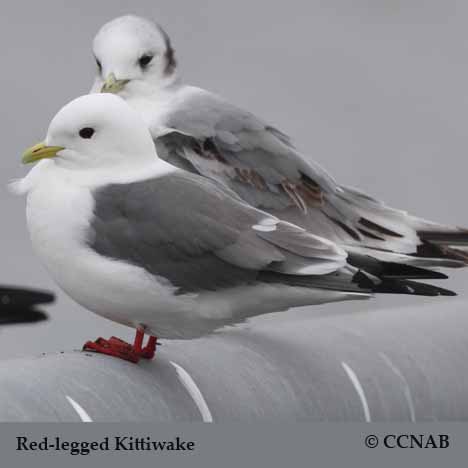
[401, 365]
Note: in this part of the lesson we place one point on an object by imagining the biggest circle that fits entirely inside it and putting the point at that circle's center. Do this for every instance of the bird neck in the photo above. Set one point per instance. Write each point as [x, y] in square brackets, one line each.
[166, 83]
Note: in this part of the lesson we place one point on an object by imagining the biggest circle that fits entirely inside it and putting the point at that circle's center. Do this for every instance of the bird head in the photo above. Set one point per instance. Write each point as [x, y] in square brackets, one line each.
[133, 56]
[96, 131]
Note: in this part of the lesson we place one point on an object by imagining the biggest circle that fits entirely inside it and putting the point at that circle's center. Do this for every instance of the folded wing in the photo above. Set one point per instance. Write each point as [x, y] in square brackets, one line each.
[192, 232]
[206, 135]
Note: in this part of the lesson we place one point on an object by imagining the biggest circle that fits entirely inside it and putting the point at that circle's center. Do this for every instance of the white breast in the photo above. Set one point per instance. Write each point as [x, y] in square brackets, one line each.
[57, 214]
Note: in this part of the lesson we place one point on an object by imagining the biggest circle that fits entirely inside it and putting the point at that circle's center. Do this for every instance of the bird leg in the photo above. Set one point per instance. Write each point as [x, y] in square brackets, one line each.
[149, 350]
[118, 348]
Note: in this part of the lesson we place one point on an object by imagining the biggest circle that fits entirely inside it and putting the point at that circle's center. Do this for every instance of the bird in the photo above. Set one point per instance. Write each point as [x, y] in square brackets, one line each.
[172, 254]
[205, 134]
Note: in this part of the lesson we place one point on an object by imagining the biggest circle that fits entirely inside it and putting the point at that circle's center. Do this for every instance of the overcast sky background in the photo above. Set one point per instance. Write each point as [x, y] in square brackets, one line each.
[376, 91]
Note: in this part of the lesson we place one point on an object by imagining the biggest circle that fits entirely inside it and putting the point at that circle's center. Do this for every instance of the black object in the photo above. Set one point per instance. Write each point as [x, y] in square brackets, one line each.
[17, 305]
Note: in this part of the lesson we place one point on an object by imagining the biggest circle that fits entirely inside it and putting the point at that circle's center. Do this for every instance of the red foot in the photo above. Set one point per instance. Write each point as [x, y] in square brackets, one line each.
[116, 347]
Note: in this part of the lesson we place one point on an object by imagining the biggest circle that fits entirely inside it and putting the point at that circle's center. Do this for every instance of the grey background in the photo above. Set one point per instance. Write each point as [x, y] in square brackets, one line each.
[374, 90]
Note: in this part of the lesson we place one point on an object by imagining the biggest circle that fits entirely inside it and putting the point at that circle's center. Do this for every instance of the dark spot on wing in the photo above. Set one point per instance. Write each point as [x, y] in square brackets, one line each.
[370, 235]
[375, 227]
[211, 151]
[345, 228]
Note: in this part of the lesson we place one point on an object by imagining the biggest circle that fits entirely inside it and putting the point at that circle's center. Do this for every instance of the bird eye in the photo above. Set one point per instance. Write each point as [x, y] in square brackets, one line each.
[145, 60]
[98, 63]
[86, 132]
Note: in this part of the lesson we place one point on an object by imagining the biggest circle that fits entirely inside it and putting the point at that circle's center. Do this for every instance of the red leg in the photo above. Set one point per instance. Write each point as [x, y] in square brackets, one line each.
[123, 350]
[138, 343]
[149, 350]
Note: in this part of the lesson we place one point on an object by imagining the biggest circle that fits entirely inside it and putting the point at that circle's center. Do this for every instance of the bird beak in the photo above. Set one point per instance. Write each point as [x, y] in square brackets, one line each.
[40, 151]
[112, 85]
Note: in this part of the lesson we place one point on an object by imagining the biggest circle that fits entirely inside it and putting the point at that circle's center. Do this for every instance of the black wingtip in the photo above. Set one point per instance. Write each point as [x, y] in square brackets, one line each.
[399, 286]
[414, 288]
[398, 270]
[365, 281]
[395, 270]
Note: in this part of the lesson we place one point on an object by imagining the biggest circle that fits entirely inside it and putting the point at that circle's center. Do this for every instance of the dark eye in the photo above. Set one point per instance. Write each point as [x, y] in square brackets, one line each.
[86, 132]
[98, 63]
[145, 60]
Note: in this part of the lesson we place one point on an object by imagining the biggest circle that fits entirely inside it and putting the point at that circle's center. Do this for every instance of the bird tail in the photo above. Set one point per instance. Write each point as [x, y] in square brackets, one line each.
[391, 235]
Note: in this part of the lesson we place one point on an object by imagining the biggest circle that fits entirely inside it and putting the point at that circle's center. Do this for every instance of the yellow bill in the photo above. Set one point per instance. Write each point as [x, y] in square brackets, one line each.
[112, 85]
[40, 151]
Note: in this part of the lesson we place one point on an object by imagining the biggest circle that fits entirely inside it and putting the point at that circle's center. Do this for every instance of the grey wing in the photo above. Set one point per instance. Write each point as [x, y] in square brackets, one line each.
[193, 233]
[207, 135]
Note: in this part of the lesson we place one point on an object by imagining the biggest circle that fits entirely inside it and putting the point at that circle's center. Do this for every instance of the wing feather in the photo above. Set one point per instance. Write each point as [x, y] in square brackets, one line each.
[191, 231]
[211, 137]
